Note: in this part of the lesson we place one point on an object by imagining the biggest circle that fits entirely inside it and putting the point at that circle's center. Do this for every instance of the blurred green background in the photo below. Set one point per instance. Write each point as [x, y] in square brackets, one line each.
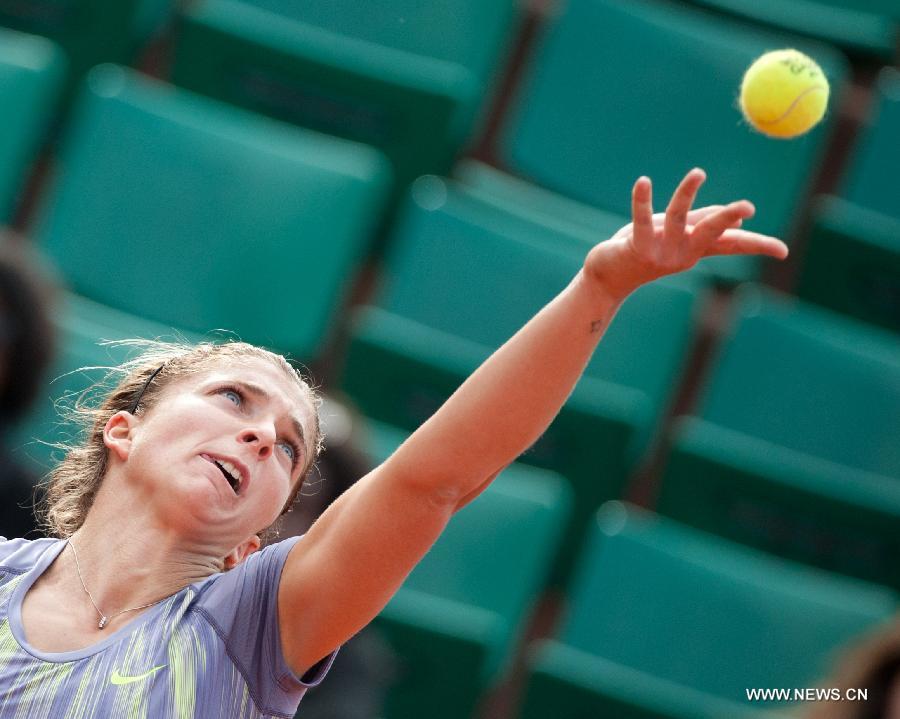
[387, 190]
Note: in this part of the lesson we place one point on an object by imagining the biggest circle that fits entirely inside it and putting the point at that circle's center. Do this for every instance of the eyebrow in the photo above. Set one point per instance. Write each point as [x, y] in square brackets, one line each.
[263, 394]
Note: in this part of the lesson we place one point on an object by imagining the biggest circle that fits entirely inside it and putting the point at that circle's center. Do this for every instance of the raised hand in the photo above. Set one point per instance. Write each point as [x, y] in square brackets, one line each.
[653, 245]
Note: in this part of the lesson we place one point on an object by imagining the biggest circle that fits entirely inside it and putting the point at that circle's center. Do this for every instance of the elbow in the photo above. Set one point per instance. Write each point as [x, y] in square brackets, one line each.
[435, 489]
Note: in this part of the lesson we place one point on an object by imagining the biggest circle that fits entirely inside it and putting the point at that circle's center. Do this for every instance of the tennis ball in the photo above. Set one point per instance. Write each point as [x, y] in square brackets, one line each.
[784, 93]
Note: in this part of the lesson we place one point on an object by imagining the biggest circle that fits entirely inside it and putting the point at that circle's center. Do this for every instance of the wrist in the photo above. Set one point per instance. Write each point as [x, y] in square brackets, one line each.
[597, 298]
[612, 272]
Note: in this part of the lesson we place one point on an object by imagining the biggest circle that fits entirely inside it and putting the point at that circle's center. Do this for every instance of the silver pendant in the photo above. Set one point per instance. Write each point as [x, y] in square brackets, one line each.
[103, 621]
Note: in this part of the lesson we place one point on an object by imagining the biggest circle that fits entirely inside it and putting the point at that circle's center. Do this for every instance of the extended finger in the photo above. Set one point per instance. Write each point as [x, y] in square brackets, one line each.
[693, 217]
[681, 202]
[714, 224]
[742, 242]
[642, 210]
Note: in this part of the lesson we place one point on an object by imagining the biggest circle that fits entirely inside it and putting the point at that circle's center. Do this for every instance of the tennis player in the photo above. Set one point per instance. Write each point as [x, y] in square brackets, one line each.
[154, 601]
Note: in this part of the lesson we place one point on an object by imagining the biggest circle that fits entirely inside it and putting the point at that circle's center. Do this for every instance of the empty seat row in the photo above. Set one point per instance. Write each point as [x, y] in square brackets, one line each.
[184, 211]
[661, 620]
[665, 622]
[412, 81]
[407, 77]
[793, 445]
[577, 134]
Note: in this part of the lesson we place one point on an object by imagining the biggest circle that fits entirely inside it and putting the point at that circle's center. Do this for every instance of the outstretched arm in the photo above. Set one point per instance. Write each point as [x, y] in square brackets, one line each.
[359, 552]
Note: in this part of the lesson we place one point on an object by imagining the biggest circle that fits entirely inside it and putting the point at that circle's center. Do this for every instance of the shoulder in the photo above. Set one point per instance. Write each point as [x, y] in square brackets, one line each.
[269, 559]
[19, 555]
[259, 571]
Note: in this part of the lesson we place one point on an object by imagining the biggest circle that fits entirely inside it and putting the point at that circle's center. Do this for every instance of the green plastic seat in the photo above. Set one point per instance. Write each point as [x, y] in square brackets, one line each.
[83, 358]
[669, 623]
[584, 223]
[90, 32]
[619, 89]
[405, 76]
[464, 276]
[852, 263]
[457, 620]
[193, 213]
[860, 26]
[31, 75]
[793, 447]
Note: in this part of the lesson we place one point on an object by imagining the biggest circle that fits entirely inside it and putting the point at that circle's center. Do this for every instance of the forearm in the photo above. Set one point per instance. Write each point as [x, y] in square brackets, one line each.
[508, 402]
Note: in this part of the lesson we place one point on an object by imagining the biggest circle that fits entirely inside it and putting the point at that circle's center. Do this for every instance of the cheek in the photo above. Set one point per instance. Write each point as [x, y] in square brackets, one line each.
[272, 495]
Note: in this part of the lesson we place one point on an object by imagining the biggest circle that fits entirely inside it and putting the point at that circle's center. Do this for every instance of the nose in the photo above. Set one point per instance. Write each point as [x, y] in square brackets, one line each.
[262, 440]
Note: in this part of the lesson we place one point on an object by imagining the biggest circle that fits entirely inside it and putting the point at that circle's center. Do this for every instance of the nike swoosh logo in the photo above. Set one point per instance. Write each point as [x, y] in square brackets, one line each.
[117, 678]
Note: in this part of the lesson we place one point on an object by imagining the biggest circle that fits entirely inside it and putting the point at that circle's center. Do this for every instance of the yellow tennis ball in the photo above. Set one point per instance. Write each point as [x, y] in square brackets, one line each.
[784, 93]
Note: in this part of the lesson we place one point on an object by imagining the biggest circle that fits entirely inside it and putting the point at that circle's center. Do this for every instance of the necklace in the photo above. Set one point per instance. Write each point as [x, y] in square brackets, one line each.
[104, 619]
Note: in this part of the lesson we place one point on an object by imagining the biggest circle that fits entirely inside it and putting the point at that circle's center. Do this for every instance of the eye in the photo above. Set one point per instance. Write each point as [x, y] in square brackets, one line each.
[233, 394]
[290, 449]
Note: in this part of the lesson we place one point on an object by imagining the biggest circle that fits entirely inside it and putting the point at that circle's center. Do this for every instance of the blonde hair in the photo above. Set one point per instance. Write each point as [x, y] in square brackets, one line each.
[70, 488]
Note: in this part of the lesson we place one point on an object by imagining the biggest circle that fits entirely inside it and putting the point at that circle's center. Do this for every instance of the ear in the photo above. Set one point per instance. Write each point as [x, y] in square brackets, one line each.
[117, 434]
[242, 551]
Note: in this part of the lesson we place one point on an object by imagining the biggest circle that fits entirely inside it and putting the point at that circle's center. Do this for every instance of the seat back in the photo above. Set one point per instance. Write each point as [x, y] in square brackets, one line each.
[697, 611]
[199, 215]
[409, 78]
[810, 381]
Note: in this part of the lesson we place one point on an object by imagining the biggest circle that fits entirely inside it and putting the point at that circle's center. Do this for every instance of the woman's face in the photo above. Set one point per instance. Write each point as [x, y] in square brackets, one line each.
[219, 452]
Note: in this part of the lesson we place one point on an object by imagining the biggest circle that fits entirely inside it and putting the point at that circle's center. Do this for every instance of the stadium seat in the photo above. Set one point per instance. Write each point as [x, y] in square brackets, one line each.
[464, 276]
[584, 223]
[852, 263]
[196, 214]
[89, 31]
[793, 447]
[31, 75]
[405, 76]
[669, 623]
[458, 618]
[859, 26]
[618, 89]
[84, 355]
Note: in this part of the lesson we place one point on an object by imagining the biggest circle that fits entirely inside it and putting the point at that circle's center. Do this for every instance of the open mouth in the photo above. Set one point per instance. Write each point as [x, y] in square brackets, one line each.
[231, 473]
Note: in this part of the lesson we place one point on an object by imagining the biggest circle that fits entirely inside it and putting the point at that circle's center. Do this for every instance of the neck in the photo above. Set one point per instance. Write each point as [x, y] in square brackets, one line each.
[125, 560]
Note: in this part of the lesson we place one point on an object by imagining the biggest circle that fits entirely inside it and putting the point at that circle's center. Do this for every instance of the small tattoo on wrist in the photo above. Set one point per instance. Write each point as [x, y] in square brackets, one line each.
[596, 326]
